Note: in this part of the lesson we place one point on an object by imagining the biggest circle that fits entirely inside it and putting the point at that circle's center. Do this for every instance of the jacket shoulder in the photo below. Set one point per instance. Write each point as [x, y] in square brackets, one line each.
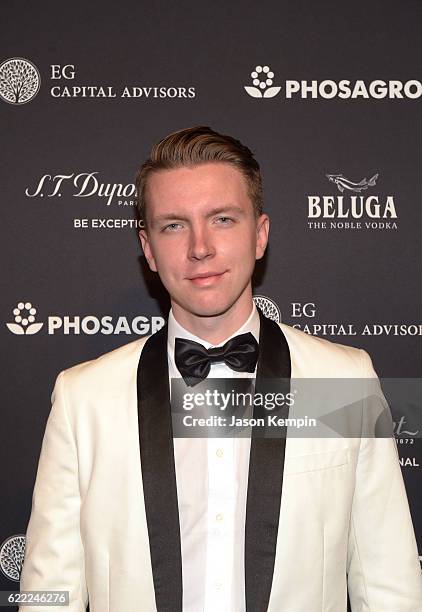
[107, 372]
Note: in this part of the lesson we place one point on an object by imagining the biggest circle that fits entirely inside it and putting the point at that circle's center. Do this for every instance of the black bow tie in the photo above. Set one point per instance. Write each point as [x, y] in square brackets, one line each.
[194, 361]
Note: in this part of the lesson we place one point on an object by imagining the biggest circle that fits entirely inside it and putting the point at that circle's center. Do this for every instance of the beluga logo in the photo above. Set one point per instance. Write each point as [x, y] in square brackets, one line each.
[349, 211]
[343, 183]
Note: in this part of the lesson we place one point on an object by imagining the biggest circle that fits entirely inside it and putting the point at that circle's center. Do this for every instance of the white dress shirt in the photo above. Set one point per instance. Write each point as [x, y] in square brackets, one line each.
[212, 482]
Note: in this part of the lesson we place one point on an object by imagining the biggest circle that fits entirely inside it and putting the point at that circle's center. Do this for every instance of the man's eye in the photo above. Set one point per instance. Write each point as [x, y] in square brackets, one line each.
[172, 227]
[224, 220]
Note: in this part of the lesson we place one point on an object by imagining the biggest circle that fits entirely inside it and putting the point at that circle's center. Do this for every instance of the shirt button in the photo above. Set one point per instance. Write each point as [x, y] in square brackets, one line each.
[219, 452]
[219, 517]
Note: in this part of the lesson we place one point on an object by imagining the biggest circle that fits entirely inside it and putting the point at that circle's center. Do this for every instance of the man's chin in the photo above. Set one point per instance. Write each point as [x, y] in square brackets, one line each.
[206, 310]
[209, 312]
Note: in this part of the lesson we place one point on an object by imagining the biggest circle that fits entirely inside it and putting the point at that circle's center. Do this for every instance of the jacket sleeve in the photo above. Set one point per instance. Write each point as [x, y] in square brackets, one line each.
[384, 573]
[54, 555]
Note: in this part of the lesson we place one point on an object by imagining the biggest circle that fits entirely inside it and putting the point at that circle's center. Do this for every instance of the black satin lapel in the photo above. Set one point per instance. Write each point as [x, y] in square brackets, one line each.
[158, 473]
[265, 479]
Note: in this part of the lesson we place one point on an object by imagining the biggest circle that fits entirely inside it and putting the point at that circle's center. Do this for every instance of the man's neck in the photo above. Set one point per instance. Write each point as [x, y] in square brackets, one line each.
[217, 328]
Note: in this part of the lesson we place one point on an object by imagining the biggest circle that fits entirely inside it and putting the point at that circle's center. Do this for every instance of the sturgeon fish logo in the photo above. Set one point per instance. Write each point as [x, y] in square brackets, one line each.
[343, 183]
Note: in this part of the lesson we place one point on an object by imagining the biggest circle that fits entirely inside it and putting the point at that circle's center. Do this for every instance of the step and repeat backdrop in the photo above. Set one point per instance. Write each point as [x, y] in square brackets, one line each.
[327, 96]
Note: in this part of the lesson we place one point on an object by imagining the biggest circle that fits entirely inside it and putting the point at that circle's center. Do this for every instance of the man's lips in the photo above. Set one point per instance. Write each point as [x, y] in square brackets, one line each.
[206, 278]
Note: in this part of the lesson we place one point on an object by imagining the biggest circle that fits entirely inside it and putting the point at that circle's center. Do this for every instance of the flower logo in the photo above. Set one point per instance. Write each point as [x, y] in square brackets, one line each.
[262, 79]
[24, 320]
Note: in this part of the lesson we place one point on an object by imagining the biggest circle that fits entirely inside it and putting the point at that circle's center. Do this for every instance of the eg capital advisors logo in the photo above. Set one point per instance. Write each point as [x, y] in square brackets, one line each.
[12, 554]
[24, 320]
[268, 307]
[20, 81]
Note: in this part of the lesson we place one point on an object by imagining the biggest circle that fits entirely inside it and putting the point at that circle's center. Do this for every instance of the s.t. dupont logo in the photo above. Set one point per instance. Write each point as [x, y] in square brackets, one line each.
[19, 81]
[349, 211]
[83, 185]
[262, 83]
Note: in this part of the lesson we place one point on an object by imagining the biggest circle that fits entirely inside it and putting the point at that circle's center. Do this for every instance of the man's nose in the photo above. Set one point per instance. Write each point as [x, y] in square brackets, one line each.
[200, 244]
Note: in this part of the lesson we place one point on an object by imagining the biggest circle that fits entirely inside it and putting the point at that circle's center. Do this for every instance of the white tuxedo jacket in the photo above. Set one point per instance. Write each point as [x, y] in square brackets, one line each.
[323, 515]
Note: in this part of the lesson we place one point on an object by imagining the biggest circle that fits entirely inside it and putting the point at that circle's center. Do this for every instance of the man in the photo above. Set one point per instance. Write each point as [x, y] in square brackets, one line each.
[133, 519]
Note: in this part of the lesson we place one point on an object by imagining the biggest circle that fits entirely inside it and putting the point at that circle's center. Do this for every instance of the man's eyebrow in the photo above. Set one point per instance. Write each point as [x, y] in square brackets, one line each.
[230, 208]
[214, 211]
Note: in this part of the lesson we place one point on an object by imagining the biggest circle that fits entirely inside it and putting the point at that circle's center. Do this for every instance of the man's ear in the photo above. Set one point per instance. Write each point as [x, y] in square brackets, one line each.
[262, 231]
[146, 247]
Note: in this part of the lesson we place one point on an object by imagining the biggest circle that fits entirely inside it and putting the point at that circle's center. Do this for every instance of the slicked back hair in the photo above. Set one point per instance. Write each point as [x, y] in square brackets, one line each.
[199, 145]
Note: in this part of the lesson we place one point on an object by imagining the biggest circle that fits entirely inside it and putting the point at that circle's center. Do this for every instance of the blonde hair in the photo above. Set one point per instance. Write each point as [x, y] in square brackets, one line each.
[198, 145]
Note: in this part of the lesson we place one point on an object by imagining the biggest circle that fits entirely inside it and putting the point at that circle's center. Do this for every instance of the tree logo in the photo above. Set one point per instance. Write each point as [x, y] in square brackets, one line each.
[268, 307]
[24, 320]
[262, 80]
[12, 554]
[19, 81]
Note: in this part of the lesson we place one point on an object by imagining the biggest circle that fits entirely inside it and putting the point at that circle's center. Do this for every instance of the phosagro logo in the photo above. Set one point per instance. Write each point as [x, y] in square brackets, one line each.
[12, 554]
[349, 211]
[24, 320]
[268, 307]
[262, 80]
[77, 325]
[19, 81]
[107, 325]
